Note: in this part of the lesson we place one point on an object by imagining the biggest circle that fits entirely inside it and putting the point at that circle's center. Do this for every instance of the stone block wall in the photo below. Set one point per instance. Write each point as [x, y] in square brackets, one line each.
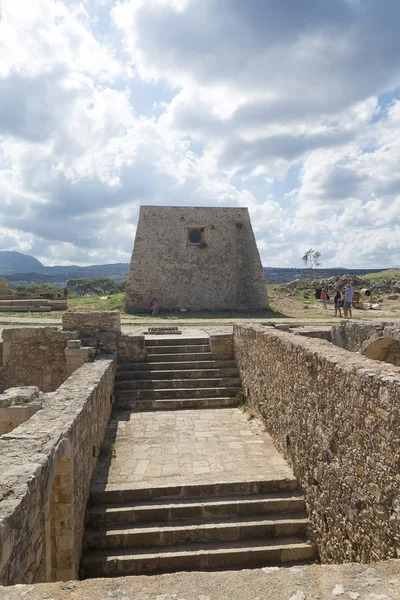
[379, 341]
[99, 330]
[336, 417]
[17, 405]
[131, 348]
[46, 465]
[222, 346]
[34, 356]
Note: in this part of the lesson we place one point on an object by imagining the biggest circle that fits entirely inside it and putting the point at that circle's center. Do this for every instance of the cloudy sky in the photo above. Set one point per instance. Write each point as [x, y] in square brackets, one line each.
[288, 107]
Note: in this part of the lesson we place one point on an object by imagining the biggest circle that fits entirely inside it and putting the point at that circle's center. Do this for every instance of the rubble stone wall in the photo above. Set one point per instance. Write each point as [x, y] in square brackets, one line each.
[131, 348]
[100, 330]
[336, 416]
[34, 356]
[222, 346]
[379, 341]
[92, 323]
[46, 465]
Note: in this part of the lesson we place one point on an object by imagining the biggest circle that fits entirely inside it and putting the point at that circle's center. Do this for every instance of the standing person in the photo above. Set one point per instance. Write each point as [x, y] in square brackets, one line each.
[348, 301]
[337, 302]
[324, 297]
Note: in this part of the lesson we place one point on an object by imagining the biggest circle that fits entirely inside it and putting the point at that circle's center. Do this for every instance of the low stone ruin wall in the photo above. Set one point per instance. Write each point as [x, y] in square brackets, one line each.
[17, 405]
[336, 417]
[34, 356]
[46, 465]
[99, 330]
[379, 341]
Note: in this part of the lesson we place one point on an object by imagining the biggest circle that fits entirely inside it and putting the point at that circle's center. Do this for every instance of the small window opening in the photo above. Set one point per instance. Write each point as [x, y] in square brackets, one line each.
[196, 235]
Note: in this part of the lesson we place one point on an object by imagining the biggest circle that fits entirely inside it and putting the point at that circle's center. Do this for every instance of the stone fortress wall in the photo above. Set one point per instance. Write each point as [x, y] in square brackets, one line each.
[336, 416]
[333, 413]
[196, 259]
[379, 341]
[46, 464]
[49, 452]
[35, 356]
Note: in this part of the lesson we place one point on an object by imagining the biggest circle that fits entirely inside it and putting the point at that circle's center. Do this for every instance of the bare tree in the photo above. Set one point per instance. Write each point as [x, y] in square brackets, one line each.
[311, 261]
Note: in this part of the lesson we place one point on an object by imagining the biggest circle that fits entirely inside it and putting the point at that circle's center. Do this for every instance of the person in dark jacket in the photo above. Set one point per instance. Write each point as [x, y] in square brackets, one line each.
[338, 303]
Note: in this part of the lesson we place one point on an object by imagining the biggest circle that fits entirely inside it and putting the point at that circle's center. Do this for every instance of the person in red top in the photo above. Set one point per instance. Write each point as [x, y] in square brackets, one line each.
[324, 297]
[149, 306]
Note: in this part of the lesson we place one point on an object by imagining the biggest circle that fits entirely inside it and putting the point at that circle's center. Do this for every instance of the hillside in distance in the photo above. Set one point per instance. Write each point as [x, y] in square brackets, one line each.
[22, 268]
[15, 262]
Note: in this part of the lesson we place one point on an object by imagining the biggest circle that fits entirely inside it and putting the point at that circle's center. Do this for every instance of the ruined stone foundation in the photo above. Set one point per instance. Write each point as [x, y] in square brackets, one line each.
[195, 259]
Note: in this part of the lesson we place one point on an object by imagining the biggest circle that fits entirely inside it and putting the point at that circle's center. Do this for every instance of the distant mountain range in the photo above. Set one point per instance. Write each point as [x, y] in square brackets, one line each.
[22, 268]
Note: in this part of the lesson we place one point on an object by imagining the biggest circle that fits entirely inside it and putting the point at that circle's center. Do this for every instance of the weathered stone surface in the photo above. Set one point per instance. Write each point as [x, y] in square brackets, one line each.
[17, 405]
[222, 346]
[46, 465]
[190, 446]
[91, 323]
[335, 416]
[35, 356]
[131, 348]
[183, 274]
[76, 355]
[379, 341]
[312, 582]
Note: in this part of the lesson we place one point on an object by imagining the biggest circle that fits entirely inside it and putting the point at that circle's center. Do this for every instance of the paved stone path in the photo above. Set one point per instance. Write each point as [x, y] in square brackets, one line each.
[189, 446]
[380, 581]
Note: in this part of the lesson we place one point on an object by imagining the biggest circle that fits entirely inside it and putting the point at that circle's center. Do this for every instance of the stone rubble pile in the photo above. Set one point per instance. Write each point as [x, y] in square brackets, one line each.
[382, 286]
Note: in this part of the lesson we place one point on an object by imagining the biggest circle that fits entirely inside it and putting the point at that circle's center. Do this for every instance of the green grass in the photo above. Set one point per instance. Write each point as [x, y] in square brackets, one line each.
[303, 296]
[56, 314]
[93, 303]
[393, 274]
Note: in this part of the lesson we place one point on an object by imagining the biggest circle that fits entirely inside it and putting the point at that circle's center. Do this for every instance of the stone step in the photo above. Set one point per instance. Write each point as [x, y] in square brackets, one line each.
[176, 393]
[217, 507]
[222, 555]
[177, 349]
[232, 529]
[177, 404]
[180, 357]
[204, 491]
[166, 384]
[176, 374]
[176, 341]
[181, 366]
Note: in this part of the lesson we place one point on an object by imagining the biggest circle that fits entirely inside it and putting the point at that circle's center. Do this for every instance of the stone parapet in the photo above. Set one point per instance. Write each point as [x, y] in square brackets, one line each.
[131, 348]
[89, 324]
[222, 346]
[35, 356]
[46, 465]
[17, 405]
[335, 416]
[76, 355]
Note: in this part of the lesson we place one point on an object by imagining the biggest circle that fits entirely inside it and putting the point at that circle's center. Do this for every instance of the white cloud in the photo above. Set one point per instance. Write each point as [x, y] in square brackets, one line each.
[258, 88]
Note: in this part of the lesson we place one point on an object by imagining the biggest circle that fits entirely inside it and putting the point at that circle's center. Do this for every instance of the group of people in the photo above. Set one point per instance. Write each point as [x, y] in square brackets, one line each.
[341, 300]
[153, 307]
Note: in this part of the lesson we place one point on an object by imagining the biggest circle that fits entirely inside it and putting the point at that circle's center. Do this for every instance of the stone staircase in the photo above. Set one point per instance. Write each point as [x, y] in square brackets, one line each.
[178, 373]
[191, 526]
[198, 527]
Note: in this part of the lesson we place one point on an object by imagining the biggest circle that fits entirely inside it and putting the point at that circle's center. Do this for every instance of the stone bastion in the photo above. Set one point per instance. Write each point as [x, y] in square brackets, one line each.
[195, 259]
[329, 397]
